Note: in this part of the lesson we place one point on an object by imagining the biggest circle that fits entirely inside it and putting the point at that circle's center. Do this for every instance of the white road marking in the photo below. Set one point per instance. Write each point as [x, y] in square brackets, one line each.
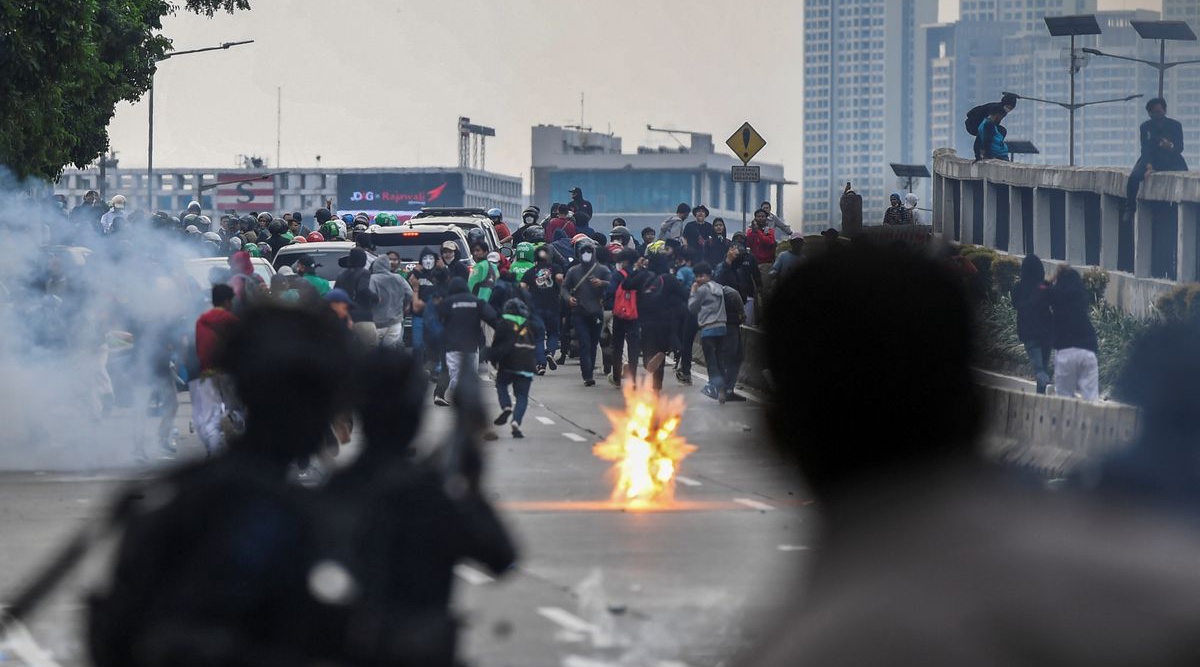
[545, 420]
[579, 661]
[753, 504]
[688, 481]
[20, 643]
[575, 437]
[471, 575]
[793, 547]
[566, 620]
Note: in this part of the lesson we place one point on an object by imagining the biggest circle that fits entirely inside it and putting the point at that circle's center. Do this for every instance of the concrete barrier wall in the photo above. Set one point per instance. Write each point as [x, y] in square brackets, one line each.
[1048, 433]
[1074, 214]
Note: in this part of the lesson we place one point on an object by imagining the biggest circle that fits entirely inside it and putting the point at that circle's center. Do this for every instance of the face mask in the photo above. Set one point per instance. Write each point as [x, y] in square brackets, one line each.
[585, 257]
[427, 263]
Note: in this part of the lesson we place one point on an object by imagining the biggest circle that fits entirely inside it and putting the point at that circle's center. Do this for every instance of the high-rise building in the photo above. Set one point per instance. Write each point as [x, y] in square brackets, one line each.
[865, 103]
[1183, 82]
[967, 67]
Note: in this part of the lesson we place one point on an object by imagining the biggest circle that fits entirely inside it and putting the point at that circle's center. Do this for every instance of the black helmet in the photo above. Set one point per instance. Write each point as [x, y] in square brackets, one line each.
[535, 234]
[516, 307]
[476, 235]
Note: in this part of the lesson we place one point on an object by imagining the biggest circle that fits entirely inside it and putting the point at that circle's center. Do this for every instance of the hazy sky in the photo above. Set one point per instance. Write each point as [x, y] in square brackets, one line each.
[381, 83]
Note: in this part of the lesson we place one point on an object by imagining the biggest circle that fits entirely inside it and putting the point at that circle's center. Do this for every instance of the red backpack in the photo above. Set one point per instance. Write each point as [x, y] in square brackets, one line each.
[625, 302]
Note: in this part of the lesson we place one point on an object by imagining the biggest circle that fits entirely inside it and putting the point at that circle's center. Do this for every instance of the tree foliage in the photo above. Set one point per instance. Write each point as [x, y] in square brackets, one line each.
[64, 66]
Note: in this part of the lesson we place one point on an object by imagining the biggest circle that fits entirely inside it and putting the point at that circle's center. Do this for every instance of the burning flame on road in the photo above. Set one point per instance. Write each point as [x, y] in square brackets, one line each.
[645, 446]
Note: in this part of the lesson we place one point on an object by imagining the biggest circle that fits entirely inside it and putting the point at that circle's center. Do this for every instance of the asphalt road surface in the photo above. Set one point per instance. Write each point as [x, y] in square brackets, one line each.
[596, 585]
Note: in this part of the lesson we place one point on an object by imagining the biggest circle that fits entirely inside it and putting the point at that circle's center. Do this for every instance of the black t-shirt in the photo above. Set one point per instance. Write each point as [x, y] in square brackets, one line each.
[542, 287]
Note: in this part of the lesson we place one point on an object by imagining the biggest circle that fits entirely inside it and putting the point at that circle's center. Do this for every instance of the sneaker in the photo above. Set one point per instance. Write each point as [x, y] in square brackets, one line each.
[516, 430]
[683, 378]
[505, 413]
[589, 383]
[439, 400]
[614, 380]
[734, 398]
[562, 358]
[709, 392]
[551, 362]
[539, 370]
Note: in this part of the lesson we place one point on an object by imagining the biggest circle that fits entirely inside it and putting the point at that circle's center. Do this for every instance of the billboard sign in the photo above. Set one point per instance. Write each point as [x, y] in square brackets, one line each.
[403, 194]
[245, 193]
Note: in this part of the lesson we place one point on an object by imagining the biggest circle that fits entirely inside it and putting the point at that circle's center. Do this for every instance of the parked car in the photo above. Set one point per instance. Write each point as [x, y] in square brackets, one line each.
[326, 253]
[200, 269]
[465, 219]
[408, 241]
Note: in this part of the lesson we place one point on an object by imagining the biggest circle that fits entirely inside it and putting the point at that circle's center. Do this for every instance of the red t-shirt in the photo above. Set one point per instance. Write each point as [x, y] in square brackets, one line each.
[762, 245]
[501, 230]
[210, 329]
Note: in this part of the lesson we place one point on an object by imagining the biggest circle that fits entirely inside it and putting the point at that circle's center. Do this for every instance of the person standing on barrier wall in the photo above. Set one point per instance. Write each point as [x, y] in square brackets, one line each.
[1035, 323]
[1076, 369]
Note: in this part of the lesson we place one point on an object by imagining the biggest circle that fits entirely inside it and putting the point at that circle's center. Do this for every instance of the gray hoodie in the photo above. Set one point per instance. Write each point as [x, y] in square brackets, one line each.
[393, 291]
[707, 303]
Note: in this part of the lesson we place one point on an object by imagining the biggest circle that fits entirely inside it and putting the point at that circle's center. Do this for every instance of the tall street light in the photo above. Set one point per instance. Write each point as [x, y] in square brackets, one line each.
[150, 143]
[1162, 31]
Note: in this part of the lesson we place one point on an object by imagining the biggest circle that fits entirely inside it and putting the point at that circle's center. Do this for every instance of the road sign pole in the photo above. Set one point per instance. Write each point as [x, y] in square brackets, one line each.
[745, 205]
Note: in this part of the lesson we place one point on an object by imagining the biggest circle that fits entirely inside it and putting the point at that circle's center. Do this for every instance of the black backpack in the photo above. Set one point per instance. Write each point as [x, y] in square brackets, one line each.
[975, 117]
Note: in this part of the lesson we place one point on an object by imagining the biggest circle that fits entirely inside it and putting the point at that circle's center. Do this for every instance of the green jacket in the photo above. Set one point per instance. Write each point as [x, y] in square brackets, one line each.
[483, 278]
[318, 282]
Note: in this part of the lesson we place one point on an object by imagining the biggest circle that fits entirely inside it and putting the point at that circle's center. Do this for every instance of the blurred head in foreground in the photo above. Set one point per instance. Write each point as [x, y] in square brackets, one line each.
[869, 350]
[277, 351]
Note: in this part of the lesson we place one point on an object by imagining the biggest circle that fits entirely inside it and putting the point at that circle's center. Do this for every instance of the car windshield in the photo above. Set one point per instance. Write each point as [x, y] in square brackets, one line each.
[409, 244]
[326, 259]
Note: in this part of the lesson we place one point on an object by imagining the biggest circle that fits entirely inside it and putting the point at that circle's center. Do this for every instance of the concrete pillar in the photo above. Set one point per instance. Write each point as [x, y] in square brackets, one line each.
[935, 218]
[1041, 223]
[970, 190]
[1110, 234]
[946, 219]
[1017, 243]
[1143, 246]
[798, 228]
[1185, 249]
[1076, 228]
[989, 215]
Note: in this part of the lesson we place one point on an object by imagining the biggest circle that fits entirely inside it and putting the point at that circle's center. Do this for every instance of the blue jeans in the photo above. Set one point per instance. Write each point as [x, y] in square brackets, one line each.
[551, 321]
[587, 332]
[520, 385]
[714, 348]
[418, 339]
[731, 357]
[1039, 358]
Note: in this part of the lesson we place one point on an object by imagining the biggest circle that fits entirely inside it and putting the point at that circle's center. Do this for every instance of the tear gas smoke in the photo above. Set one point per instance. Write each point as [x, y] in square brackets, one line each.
[88, 326]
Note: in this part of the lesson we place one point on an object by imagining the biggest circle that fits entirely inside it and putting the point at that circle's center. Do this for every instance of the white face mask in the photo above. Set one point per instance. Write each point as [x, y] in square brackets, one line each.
[585, 257]
[427, 262]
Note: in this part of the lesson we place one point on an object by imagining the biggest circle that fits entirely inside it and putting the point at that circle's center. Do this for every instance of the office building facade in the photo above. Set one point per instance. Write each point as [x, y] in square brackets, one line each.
[865, 101]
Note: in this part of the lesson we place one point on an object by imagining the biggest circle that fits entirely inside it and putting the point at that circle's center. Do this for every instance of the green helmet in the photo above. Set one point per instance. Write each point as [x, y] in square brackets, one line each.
[524, 252]
[252, 248]
[329, 231]
[385, 220]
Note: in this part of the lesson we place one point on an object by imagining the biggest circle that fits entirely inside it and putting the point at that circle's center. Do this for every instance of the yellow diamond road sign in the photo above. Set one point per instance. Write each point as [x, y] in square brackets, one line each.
[746, 143]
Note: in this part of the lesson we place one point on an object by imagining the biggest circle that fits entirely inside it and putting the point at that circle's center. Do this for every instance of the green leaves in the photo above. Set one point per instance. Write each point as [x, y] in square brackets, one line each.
[66, 64]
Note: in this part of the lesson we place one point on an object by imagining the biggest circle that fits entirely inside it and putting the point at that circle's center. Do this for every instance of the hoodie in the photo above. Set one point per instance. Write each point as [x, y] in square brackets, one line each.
[356, 281]
[707, 303]
[394, 294]
[1031, 300]
[1072, 306]
[578, 283]
[211, 328]
[461, 314]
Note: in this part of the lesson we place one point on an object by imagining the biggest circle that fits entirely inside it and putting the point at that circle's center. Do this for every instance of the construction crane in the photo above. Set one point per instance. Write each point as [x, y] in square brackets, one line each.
[701, 142]
[472, 149]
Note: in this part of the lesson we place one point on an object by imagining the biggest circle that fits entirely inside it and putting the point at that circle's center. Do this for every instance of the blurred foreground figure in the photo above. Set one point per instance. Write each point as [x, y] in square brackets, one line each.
[1162, 469]
[215, 557]
[402, 523]
[927, 556]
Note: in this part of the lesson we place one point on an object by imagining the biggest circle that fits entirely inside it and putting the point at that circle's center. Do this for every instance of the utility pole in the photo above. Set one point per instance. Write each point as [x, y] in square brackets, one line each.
[150, 140]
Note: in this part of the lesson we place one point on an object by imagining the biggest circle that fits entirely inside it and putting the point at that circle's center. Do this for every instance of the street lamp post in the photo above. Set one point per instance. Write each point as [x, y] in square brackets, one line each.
[150, 101]
[1162, 31]
[1072, 107]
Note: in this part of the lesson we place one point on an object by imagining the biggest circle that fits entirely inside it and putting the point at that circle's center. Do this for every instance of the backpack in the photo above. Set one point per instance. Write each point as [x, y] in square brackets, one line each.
[625, 305]
[974, 118]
